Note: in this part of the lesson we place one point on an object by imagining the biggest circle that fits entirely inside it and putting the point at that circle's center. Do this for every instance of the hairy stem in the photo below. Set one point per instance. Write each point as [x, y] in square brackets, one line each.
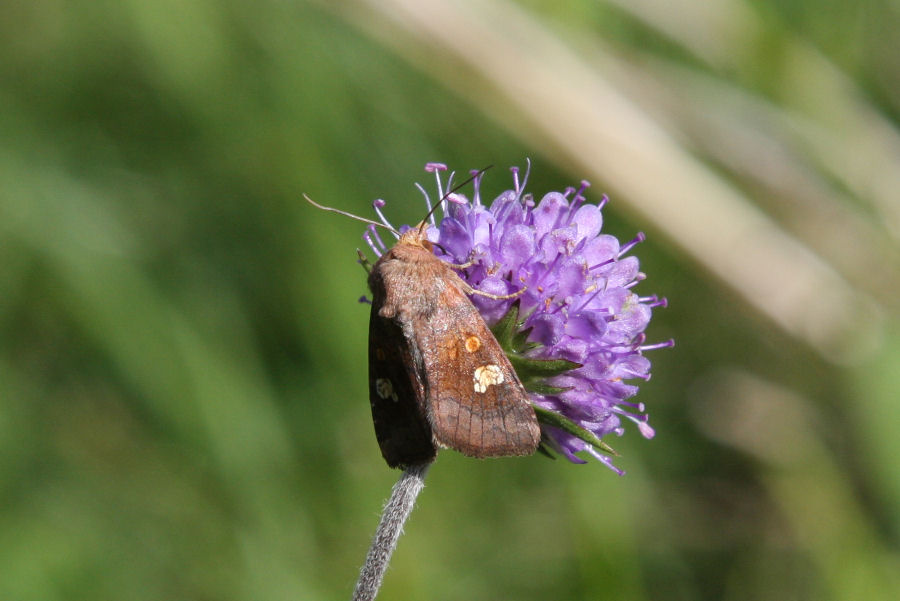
[396, 511]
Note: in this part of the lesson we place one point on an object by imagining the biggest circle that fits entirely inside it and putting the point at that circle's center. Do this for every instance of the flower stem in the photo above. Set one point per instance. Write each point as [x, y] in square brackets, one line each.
[396, 511]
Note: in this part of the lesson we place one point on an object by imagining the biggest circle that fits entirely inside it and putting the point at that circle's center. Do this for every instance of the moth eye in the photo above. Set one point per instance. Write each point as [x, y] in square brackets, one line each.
[486, 376]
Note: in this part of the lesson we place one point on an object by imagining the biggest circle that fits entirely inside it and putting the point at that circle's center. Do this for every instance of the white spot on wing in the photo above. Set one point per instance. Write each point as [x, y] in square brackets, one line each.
[487, 375]
[384, 389]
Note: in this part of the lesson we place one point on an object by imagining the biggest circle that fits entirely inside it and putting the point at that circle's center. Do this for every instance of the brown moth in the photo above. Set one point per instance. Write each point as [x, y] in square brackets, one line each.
[437, 376]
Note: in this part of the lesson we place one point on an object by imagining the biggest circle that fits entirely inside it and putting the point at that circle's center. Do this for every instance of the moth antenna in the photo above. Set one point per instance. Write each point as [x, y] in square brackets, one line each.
[445, 196]
[350, 215]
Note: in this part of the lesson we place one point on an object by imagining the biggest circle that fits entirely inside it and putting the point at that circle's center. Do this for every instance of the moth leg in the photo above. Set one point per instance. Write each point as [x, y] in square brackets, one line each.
[469, 290]
[465, 265]
[515, 294]
[472, 260]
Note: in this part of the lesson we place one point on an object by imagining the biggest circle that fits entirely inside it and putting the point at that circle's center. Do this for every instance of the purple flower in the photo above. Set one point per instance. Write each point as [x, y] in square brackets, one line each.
[578, 302]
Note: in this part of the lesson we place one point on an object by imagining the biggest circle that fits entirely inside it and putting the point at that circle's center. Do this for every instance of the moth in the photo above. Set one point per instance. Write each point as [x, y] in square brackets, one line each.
[437, 376]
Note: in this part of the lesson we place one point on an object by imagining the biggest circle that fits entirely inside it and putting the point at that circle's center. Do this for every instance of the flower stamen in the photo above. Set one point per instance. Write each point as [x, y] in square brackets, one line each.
[640, 237]
[377, 204]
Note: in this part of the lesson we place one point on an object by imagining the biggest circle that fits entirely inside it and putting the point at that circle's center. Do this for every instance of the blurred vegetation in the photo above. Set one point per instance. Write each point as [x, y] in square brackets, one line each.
[183, 411]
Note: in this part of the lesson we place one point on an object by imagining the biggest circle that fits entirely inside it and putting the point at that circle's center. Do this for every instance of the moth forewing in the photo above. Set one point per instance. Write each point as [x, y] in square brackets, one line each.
[476, 404]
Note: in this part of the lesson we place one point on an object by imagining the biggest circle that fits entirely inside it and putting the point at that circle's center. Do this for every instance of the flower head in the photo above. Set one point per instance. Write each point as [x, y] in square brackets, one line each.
[578, 326]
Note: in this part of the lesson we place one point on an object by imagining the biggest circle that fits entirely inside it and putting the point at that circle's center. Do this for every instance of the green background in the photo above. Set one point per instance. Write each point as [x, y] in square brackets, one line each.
[183, 409]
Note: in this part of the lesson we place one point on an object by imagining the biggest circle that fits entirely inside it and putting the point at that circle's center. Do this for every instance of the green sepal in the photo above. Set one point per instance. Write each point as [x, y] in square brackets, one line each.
[545, 451]
[505, 329]
[520, 340]
[528, 368]
[364, 261]
[552, 418]
[545, 389]
[534, 372]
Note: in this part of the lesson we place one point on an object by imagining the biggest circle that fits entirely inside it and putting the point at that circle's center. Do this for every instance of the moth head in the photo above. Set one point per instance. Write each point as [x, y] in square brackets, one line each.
[417, 236]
